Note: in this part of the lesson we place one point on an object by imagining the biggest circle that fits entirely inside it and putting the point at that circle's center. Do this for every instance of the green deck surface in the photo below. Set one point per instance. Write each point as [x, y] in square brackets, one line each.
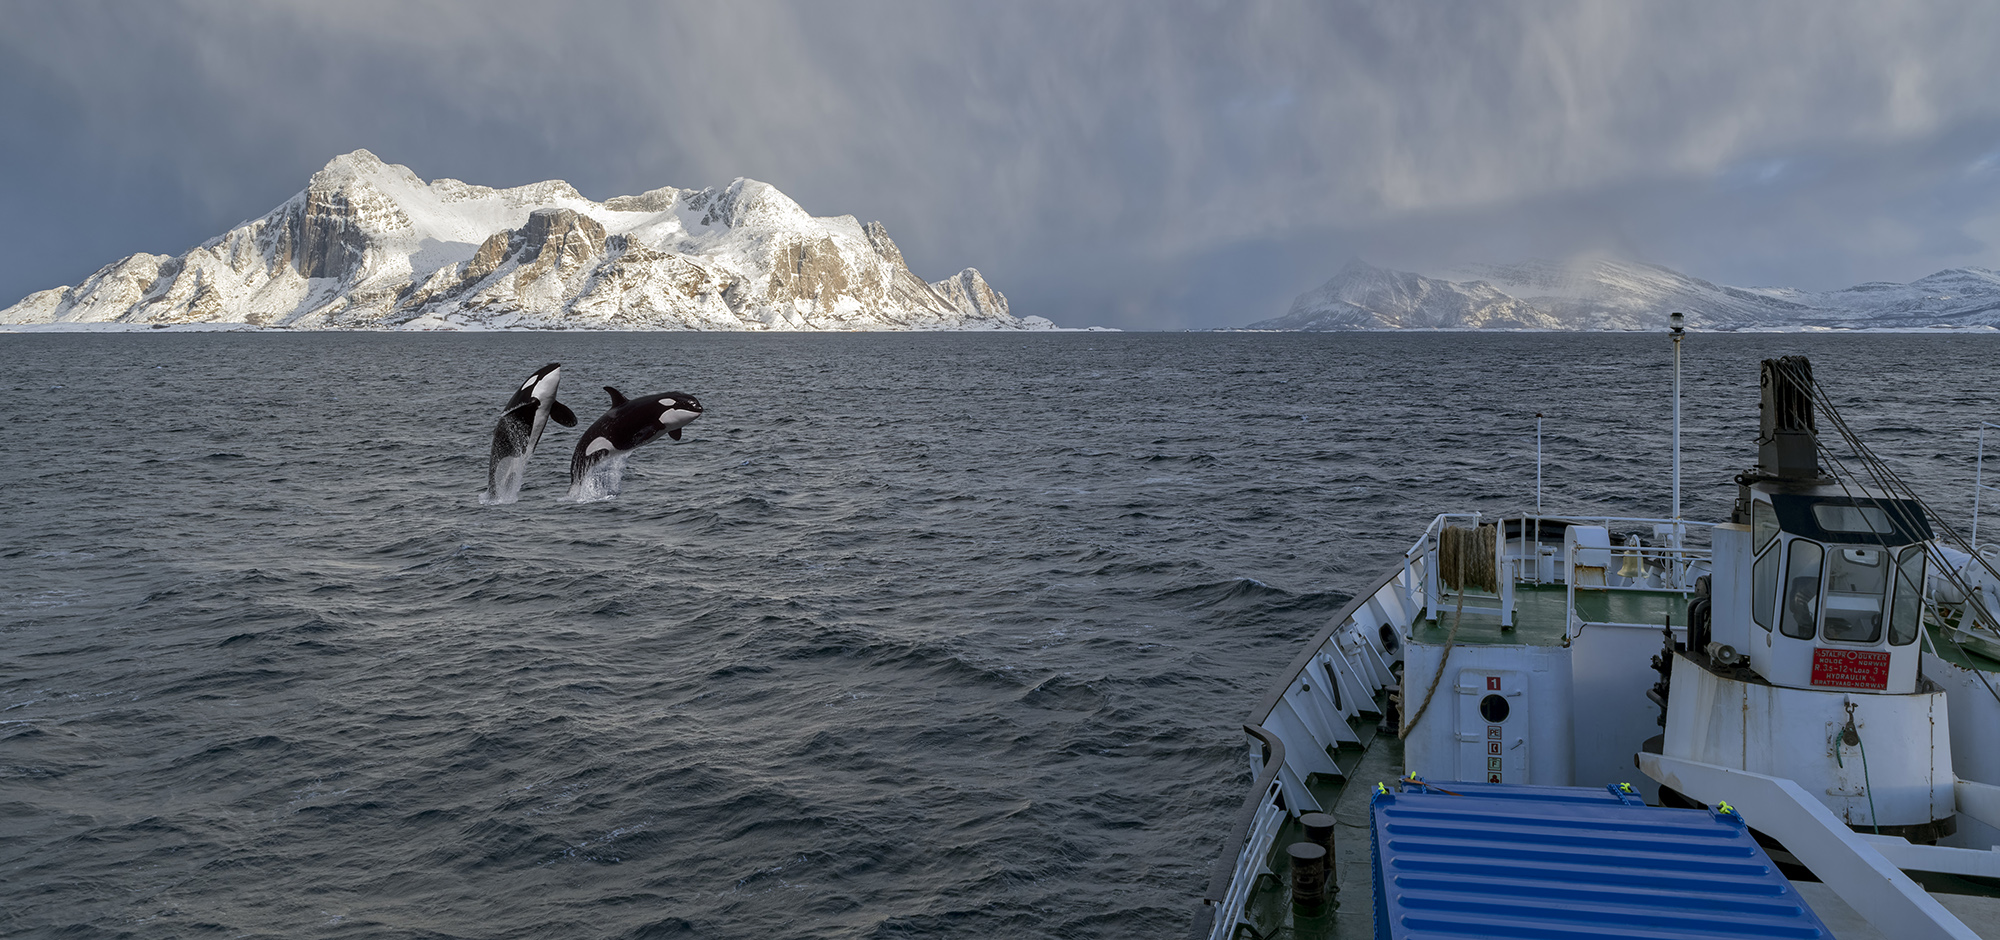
[1540, 611]
[1967, 654]
[1353, 917]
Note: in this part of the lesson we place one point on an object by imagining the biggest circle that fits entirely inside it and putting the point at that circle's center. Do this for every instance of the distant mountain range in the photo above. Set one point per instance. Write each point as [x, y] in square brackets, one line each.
[370, 245]
[1598, 294]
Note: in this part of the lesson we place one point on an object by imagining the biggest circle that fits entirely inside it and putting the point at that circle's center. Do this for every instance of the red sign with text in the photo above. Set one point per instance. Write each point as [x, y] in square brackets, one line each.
[1850, 669]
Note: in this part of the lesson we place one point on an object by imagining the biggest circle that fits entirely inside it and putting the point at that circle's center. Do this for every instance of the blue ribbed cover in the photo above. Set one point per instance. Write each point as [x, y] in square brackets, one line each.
[1569, 863]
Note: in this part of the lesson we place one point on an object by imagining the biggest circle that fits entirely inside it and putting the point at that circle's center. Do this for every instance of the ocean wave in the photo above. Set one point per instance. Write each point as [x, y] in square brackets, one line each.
[882, 654]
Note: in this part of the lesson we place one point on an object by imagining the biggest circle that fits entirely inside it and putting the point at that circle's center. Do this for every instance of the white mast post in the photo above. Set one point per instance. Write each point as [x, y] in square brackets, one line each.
[1675, 323]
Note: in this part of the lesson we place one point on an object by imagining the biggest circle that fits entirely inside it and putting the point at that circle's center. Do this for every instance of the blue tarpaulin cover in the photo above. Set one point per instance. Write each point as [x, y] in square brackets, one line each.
[1568, 863]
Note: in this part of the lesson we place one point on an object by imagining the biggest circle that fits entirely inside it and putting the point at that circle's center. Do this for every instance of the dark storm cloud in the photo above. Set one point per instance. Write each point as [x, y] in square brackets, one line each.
[1131, 164]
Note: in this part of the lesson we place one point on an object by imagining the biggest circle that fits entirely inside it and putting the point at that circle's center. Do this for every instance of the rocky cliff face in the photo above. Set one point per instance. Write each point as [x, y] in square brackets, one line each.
[970, 292]
[1600, 294]
[370, 245]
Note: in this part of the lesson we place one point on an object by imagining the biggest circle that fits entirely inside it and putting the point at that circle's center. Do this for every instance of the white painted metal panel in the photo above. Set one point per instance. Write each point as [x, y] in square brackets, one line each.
[1975, 741]
[1904, 779]
[1432, 749]
[1729, 588]
[1611, 669]
[1493, 742]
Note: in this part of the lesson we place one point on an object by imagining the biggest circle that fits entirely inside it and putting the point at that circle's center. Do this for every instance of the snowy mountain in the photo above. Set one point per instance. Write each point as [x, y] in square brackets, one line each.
[1600, 294]
[1955, 297]
[370, 245]
[1365, 297]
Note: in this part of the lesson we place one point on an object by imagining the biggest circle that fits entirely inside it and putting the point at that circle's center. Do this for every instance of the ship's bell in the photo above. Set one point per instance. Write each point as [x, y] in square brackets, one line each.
[1630, 568]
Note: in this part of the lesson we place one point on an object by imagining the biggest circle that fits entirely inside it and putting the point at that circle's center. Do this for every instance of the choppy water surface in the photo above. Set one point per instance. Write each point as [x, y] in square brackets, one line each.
[912, 635]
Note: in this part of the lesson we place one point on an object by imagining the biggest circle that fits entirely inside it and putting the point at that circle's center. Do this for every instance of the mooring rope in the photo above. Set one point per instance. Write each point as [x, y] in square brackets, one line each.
[1457, 616]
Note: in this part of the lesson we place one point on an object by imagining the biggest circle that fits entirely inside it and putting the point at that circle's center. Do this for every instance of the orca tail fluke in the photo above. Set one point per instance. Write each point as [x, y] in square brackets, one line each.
[562, 415]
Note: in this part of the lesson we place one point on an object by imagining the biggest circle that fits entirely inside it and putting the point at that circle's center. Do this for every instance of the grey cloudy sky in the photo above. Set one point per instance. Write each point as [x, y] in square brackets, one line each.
[1132, 164]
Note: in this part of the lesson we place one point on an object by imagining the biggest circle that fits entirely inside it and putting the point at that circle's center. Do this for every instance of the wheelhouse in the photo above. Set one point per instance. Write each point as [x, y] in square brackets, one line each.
[1836, 587]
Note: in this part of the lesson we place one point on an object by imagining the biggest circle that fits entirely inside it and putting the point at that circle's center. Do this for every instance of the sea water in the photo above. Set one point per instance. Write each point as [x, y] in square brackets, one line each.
[911, 635]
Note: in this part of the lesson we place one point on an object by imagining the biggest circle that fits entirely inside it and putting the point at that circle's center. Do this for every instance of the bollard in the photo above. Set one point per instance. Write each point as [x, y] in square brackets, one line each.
[1308, 878]
[1319, 831]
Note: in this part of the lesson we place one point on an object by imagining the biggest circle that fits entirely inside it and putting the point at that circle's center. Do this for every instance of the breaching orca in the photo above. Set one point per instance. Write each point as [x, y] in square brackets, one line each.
[520, 429]
[597, 468]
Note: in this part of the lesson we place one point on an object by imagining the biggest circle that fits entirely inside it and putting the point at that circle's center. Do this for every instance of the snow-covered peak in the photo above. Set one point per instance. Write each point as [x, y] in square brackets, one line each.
[1365, 297]
[370, 244]
[746, 203]
[1960, 279]
[364, 169]
[1599, 293]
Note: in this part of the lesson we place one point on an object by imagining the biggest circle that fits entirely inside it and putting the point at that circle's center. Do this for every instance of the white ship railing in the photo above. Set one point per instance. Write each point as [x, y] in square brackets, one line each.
[1676, 567]
[1296, 729]
[1256, 829]
[1672, 566]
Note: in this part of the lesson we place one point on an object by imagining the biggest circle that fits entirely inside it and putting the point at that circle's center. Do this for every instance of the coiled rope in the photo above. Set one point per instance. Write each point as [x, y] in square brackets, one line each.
[1462, 565]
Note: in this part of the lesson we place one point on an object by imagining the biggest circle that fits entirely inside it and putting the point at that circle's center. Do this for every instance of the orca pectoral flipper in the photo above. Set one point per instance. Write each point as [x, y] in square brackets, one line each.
[674, 433]
[562, 414]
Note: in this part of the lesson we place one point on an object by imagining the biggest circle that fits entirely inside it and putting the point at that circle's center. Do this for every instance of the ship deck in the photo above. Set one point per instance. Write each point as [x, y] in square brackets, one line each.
[1543, 618]
[1970, 655]
[1352, 916]
[1540, 613]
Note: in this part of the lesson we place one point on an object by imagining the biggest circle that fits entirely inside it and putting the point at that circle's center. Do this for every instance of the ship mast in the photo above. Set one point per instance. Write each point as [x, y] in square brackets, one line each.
[1675, 321]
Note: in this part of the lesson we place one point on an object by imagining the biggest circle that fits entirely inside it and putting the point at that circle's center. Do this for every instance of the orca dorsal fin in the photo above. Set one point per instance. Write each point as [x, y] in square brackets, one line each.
[617, 397]
[562, 414]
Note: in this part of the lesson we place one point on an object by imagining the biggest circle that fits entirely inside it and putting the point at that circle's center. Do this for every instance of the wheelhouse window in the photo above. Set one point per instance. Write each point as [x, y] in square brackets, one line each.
[1857, 582]
[1764, 588]
[1801, 602]
[1763, 525]
[1907, 611]
[1835, 517]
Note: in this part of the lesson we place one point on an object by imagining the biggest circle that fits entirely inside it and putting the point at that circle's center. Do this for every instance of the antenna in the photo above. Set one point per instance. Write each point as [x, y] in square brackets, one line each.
[1676, 321]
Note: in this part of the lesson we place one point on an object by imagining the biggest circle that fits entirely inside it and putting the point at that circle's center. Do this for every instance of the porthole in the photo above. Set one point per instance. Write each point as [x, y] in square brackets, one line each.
[1494, 709]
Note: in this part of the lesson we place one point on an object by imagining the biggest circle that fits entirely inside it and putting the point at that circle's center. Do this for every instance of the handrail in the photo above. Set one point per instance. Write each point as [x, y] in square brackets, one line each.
[1225, 869]
[1422, 545]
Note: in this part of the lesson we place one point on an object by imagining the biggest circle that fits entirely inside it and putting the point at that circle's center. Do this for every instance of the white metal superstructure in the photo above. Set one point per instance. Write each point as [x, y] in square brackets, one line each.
[1807, 660]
